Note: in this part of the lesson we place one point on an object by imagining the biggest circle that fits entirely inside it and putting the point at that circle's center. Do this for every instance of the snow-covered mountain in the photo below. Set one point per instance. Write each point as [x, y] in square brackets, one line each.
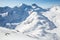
[31, 20]
[54, 15]
[16, 14]
[40, 25]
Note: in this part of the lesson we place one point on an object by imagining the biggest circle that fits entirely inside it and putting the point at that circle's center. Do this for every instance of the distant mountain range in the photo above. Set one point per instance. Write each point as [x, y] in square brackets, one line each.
[17, 14]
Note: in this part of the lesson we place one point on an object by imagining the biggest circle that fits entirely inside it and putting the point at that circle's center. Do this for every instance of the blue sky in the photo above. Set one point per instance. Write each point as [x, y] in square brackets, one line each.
[42, 3]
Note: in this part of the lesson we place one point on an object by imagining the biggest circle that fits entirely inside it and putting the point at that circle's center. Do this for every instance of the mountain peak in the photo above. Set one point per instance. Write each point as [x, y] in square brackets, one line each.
[55, 8]
[35, 6]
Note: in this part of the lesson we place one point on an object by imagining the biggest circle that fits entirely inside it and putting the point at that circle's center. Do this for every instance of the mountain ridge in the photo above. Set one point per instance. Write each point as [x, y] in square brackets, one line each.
[16, 14]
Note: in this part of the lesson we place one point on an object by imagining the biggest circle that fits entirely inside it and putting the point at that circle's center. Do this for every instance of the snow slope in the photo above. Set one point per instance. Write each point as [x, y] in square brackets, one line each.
[54, 15]
[7, 34]
[36, 26]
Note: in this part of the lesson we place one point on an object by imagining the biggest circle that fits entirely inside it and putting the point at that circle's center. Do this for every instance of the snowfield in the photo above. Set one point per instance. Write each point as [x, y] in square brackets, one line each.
[7, 34]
